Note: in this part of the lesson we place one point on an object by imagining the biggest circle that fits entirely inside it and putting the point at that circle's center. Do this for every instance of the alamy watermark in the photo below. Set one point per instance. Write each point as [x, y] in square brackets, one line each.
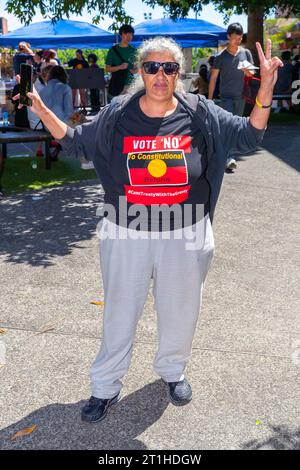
[158, 221]
[296, 93]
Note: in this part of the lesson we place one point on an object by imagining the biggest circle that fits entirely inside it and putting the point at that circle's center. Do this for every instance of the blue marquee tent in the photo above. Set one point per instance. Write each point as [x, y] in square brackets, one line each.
[187, 32]
[63, 34]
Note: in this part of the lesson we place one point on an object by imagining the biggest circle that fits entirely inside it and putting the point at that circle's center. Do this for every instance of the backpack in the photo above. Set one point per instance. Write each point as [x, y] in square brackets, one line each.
[251, 85]
[118, 79]
[250, 90]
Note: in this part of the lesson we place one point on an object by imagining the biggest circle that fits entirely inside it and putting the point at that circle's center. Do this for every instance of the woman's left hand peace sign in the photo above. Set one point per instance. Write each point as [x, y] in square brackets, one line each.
[268, 65]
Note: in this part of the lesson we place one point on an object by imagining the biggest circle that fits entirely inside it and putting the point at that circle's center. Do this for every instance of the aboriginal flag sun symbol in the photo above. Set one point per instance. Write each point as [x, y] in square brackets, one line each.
[157, 168]
[157, 161]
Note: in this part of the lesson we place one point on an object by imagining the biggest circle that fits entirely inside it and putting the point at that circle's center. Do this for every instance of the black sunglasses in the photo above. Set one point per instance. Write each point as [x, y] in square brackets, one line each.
[170, 68]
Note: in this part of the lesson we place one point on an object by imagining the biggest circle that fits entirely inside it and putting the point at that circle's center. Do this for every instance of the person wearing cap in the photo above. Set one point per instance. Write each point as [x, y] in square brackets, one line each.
[231, 78]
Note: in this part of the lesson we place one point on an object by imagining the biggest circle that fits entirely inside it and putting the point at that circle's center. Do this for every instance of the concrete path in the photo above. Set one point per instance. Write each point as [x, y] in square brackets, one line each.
[246, 354]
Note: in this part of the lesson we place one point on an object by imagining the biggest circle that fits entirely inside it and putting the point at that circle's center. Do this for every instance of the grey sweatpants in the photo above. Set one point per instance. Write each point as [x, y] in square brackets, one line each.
[178, 273]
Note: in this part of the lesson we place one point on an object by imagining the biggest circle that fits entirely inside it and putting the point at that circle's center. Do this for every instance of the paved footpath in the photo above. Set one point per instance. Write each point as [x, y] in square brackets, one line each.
[246, 353]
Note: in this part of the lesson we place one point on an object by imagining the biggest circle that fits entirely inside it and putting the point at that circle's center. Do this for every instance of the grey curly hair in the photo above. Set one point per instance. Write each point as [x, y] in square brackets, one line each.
[157, 44]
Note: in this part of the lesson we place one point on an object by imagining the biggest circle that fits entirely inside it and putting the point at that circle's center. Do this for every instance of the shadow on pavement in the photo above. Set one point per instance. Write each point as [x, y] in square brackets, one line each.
[282, 439]
[36, 231]
[283, 141]
[59, 425]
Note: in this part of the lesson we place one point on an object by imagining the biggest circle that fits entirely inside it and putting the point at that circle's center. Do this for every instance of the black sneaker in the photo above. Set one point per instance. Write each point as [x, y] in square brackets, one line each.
[180, 393]
[96, 409]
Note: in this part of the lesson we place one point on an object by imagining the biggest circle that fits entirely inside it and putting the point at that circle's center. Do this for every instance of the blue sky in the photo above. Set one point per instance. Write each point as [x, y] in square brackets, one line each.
[136, 9]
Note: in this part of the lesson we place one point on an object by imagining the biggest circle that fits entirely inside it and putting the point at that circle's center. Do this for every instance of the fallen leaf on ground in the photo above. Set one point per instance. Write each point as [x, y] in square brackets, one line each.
[258, 422]
[2, 331]
[97, 302]
[23, 432]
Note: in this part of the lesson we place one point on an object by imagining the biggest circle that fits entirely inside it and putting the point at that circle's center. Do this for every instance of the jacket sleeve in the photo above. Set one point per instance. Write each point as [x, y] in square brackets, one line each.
[237, 133]
[84, 140]
[68, 103]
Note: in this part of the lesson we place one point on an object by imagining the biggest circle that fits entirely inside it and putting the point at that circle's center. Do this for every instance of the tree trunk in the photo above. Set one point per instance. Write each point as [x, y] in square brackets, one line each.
[188, 58]
[255, 30]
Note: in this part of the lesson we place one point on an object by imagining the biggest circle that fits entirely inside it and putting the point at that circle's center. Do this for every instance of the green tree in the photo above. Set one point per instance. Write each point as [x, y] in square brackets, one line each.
[56, 9]
[65, 55]
[255, 9]
[25, 10]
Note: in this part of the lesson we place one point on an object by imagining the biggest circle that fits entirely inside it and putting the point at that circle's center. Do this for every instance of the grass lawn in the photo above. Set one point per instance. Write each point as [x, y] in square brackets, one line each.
[19, 175]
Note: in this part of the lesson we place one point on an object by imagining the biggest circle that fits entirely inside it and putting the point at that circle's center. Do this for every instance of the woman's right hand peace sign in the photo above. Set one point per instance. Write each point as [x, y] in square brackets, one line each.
[268, 65]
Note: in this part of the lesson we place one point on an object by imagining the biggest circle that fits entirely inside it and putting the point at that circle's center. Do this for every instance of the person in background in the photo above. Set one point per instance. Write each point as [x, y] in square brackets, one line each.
[296, 54]
[92, 60]
[40, 81]
[55, 56]
[95, 92]
[201, 82]
[285, 79]
[24, 54]
[296, 70]
[231, 79]
[120, 63]
[49, 58]
[77, 119]
[217, 85]
[38, 60]
[58, 96]
[79, 63]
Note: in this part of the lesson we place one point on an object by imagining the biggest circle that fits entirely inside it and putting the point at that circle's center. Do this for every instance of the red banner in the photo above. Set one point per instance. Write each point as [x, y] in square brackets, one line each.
[149, 196]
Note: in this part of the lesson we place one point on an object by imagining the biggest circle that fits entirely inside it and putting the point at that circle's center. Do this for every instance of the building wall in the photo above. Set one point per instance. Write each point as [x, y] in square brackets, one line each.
[3, 25]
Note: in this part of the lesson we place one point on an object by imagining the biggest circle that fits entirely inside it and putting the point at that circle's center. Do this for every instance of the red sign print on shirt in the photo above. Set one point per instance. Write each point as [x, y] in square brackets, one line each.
[154, 162]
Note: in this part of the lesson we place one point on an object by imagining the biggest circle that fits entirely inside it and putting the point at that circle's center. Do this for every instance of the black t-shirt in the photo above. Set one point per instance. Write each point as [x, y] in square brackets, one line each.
[78, 64]
[158, 161]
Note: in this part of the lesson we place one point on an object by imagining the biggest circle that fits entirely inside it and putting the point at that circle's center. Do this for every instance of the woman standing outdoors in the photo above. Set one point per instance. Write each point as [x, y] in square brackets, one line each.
[157, 146]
